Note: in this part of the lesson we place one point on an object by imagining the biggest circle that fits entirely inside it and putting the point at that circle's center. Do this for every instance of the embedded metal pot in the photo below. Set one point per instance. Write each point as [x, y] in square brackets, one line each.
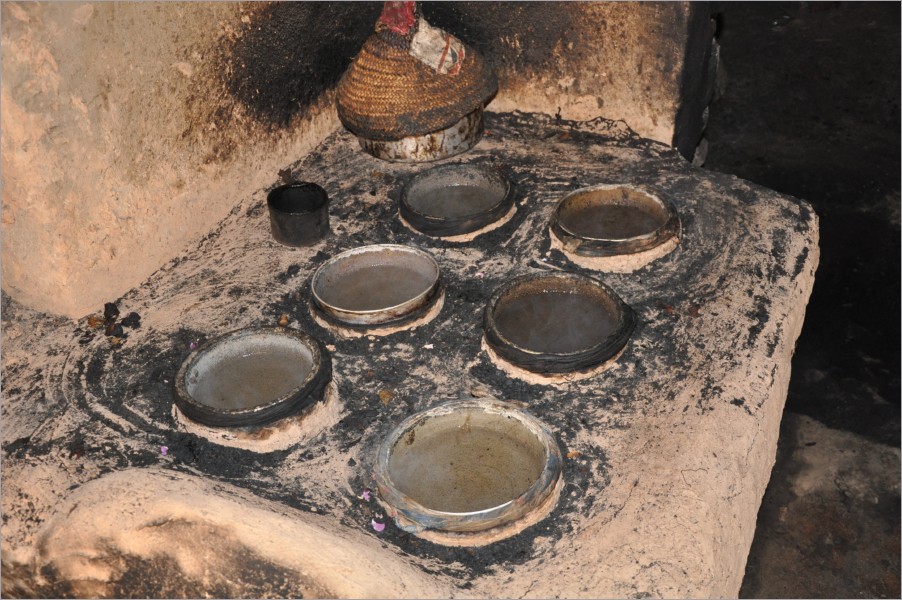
[298, 213]
[467, 466]
[377, 284]
[455, 199]
[252, 377]
[447, 142]
[557, 322]
[612, 220]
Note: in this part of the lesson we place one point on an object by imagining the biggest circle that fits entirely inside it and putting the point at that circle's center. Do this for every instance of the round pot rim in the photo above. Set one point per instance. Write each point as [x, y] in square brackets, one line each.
[305, 394]
[386, 314]
[443, 227]
[559, 362]
[478, 520]
[592, 246]
[422, 148]
[270, 196]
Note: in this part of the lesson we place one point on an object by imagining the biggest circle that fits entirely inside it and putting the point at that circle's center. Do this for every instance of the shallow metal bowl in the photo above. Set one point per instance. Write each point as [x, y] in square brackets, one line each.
[467, 466]
[611, 220]
[252, 377]
[557, 322]
[377, 284]
[455, 199]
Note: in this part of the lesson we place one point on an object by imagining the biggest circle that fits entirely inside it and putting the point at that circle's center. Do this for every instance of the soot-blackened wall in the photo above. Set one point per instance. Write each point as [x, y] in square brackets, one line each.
[130, 129]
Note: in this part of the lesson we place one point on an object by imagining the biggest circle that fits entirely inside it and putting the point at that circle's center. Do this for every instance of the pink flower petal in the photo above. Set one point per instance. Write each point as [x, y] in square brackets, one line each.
[377, 525]
[164, 450]
[366, 495]
[192, 345]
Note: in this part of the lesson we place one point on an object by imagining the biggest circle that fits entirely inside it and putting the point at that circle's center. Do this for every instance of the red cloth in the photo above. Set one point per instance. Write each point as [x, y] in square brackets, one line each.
[398, 16]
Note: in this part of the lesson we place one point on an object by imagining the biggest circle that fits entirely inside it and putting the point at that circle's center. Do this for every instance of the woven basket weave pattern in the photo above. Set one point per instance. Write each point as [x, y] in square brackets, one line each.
[387, 94]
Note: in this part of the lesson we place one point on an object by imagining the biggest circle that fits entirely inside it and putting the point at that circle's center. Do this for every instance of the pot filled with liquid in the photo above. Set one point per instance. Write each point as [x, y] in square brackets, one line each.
[557, 322]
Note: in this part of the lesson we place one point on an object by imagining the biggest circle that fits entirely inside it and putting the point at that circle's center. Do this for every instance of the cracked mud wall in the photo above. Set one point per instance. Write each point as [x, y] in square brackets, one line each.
[129, 129]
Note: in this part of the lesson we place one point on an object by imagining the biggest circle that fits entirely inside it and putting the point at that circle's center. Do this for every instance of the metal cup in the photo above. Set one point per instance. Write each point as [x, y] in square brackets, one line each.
[298, 213]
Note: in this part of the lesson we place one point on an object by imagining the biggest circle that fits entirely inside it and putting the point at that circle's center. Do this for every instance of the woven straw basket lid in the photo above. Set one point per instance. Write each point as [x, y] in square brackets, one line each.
[387, 94]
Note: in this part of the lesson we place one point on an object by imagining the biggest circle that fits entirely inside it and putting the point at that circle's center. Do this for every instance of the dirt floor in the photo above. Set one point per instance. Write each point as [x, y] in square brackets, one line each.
[810, 107]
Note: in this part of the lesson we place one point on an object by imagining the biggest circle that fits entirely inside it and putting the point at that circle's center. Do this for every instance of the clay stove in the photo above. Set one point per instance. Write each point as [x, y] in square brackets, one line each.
[648, 446]
[640, 479]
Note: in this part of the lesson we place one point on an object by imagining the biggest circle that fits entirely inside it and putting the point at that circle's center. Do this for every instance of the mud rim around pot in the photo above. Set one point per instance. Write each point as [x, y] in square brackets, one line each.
[252, 377]
[455, 199]
[551, 323]
[613, 220]
[512, 466]
[376, 285]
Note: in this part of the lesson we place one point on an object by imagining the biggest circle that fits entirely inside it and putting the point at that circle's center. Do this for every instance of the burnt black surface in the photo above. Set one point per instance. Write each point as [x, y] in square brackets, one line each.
[485, 25]
[249, 575]
[546, 27]
[811, 108]
[697, 80]
[290, 52]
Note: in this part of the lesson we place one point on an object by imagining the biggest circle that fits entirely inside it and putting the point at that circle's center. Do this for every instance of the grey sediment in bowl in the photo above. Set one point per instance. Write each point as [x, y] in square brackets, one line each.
[612, 220]
[557, 322]
[455, 199]
[379, 284]
[467, 466]
[252, 377]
